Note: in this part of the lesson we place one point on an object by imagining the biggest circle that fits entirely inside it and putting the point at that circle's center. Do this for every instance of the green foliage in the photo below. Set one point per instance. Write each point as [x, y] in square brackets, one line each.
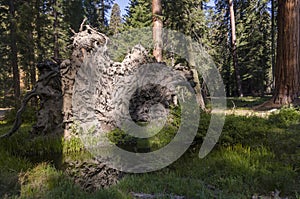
[44, 181]
[10, 166]
[244, 170]
[74, 13]
[254, 155]
[26, 144]
[286, 118]
[253, 26]
[166, 184]
[96, 11]
[138, 14]
[115, 20]
[28, 116]
[162, 137]
[117, 136]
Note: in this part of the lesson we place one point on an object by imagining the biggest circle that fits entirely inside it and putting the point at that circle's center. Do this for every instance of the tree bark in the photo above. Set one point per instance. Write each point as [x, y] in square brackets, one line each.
[234, 49]
[287, 73]
[273, 40]
[102, 14]
[157, 30]
[14, 51]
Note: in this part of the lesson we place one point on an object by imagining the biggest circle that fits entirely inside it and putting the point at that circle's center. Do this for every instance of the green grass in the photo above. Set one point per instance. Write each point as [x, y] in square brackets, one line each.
[23, 143]
[44, 181]
[253, 156]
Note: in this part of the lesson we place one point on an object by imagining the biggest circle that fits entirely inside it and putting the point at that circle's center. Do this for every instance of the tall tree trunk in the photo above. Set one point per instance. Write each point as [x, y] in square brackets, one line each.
[234, 49]
[14, 51]
[287, 75]
[157, 30]
[55, 27]
[39, 49]
[102, 14]
[273, 40]
[34, 101]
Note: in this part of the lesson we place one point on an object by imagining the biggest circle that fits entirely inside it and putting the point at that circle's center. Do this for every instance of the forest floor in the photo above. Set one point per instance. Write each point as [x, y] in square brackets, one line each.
[257, 156]
[3, 111]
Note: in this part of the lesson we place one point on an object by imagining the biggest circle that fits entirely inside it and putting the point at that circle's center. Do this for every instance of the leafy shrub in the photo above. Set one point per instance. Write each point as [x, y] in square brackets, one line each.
[285, 118]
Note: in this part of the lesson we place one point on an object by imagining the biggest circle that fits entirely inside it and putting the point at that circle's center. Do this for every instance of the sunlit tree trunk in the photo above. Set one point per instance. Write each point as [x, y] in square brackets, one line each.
[157, 30]
[287, 74]
[234, 49]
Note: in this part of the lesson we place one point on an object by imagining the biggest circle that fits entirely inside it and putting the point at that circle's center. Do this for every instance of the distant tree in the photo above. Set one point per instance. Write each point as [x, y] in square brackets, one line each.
[14, 50]
[95, 11]
[74, 13]
[138, 14]
[26, 43]
[234, 49]
[115, 19]
[253, 44]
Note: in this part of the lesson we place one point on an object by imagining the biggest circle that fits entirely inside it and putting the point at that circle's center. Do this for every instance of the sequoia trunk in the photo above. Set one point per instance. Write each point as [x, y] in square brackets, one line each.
[287, 74]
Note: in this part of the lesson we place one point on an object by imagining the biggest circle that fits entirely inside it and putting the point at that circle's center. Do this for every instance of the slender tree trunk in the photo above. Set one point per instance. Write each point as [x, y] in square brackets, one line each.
[55, 27]
[287, 74]
[34, 101]
[103, 14]
[39, 49]
[273, 41]
[14, 51]
[157, 30]
[32, 61]
[234, 49]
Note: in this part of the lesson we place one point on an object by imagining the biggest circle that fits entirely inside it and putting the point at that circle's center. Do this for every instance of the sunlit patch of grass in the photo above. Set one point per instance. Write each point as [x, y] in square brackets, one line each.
[166, 184]
[44, 181]
[234, 172]
[245, 102]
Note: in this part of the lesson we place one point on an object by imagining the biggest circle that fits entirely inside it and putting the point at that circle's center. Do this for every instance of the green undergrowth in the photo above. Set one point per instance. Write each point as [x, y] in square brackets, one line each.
[233, 172]
[44, 181]
[253, 156]
[24, 143]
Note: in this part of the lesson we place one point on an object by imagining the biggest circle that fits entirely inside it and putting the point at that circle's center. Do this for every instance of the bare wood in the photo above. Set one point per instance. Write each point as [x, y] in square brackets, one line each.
[197, 89]
[82, 24]
[40, 90]
[157, 30]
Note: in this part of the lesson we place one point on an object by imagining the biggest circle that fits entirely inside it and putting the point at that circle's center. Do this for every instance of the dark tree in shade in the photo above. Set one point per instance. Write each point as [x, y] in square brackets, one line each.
[14, 50]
